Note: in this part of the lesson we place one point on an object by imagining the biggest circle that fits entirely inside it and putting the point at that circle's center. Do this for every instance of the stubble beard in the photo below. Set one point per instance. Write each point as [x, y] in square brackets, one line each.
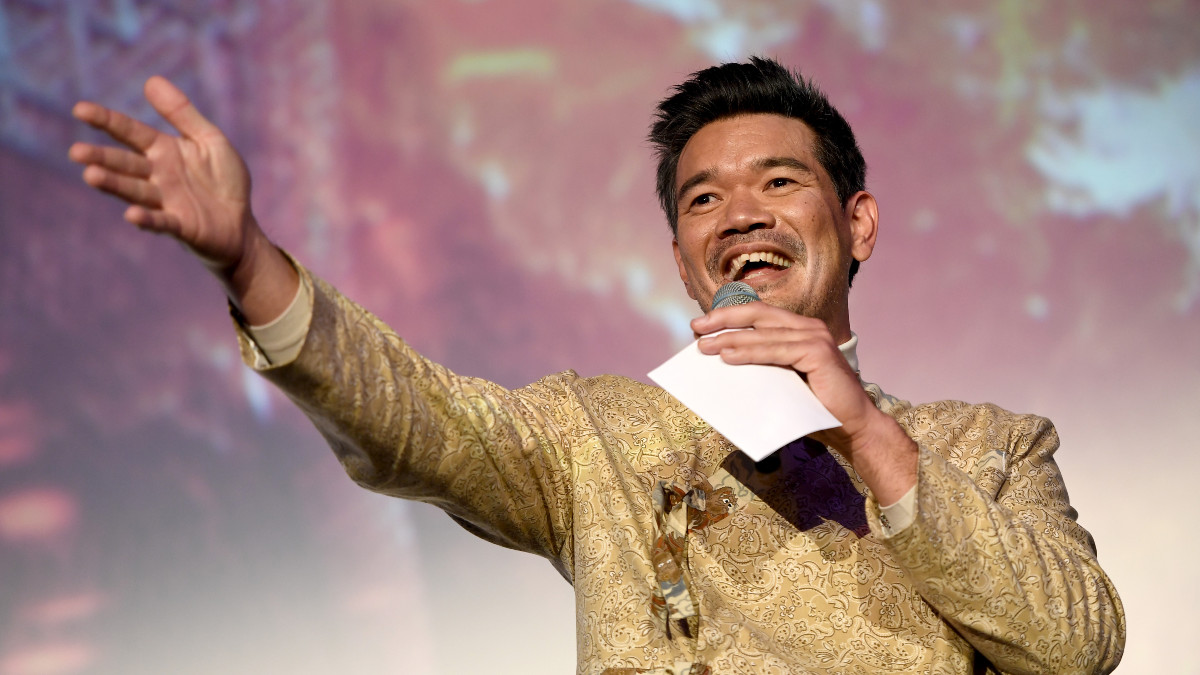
[793, 248]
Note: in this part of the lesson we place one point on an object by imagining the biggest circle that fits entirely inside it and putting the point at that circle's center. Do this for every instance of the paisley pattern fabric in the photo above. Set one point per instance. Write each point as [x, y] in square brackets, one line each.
[686, 557]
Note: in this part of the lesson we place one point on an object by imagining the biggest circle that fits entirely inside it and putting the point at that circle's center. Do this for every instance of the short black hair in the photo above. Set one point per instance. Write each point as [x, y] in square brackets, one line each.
[760, 86]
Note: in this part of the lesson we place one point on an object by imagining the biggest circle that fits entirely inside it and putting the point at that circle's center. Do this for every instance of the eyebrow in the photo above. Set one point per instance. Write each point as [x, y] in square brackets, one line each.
[783, 162]
[761, 164]
[696, 179]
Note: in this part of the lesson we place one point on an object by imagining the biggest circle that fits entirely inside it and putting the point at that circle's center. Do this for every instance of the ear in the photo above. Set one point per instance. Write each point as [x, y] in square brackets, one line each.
[863, 214]
[682, 269]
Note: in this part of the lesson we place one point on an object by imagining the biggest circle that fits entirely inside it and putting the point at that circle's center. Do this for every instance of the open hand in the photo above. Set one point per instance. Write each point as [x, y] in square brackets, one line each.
[194, 187]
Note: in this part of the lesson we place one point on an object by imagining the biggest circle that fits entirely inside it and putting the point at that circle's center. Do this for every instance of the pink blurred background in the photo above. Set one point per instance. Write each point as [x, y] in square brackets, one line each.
[476, 173]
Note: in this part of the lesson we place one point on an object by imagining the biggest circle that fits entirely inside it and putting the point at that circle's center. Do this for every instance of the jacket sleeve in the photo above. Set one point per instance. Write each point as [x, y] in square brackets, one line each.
[997, 552]
[404, 426]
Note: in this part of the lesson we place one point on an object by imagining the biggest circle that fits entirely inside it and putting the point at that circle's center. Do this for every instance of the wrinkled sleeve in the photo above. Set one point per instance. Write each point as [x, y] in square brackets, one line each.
[404, 426]
[999, 554]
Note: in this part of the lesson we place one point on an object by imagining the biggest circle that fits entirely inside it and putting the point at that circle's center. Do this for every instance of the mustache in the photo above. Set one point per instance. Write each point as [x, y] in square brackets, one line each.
[792, 248]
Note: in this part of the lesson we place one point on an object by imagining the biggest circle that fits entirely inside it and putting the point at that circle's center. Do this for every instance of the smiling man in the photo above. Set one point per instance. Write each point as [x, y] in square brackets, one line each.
[755, 205]
[934, 538]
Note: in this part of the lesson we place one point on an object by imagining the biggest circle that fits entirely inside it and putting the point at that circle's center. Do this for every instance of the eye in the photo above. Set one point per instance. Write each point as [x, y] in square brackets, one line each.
[703, 199]
[779, 182]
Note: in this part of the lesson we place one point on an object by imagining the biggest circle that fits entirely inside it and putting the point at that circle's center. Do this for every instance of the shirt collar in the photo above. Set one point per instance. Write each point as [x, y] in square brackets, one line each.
[849, 349]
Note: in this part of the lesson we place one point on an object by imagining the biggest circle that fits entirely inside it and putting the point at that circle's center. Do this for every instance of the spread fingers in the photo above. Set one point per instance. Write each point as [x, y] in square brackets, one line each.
[152, 219]
[121, 128]
[177, 109]
[131, 189]
[112, 159]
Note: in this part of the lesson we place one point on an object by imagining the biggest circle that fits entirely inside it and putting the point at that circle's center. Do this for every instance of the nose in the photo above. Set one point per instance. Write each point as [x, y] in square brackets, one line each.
[746, 212]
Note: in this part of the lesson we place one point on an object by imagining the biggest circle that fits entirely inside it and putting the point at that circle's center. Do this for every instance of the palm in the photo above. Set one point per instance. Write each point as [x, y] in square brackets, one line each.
[194, 187]
[206, 188]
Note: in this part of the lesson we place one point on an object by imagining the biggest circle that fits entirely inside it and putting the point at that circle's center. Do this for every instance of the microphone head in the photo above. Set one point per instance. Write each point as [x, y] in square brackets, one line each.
[733, 293]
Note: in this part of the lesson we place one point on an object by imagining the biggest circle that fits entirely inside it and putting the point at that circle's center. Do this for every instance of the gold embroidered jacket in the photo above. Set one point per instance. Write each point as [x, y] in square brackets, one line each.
[686, 557]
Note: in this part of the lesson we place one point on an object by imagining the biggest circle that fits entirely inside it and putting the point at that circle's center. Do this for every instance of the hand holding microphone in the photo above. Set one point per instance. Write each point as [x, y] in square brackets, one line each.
[759, 408]
[869, 439]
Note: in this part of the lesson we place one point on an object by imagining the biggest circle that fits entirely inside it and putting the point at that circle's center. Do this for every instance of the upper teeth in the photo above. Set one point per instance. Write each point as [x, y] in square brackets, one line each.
[736, 265]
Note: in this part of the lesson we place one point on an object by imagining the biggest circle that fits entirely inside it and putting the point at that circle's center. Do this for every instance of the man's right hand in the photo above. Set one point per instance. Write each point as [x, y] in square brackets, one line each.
[194, 187]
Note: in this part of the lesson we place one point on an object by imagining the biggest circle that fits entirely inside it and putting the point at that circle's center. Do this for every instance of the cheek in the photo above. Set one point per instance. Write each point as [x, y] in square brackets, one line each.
[830, 270]
[692, 252]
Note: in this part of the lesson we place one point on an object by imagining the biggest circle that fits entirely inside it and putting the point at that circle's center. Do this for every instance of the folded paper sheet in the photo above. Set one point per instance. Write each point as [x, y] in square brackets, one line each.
[758, 408]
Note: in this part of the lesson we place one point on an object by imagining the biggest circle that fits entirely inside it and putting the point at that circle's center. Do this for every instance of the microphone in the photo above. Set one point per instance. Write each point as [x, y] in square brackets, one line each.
[734, 293]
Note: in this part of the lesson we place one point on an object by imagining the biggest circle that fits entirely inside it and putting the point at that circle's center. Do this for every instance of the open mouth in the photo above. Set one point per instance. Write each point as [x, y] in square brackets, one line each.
[747, 264]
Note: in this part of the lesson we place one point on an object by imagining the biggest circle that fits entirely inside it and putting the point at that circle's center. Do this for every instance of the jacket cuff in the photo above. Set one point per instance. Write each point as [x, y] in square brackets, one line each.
[278, 342]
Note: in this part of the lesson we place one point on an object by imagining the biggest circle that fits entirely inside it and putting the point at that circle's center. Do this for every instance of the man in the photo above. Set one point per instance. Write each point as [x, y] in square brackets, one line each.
[931, 538]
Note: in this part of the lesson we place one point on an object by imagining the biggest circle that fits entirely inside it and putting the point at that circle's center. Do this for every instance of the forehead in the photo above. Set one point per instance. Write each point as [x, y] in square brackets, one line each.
[733, 143]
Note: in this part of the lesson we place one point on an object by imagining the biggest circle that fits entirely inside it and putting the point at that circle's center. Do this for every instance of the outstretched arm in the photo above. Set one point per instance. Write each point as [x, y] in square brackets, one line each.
[194, 187]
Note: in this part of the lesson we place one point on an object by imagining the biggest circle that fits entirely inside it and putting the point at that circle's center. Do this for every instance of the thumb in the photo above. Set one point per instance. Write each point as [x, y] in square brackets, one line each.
[175, 107]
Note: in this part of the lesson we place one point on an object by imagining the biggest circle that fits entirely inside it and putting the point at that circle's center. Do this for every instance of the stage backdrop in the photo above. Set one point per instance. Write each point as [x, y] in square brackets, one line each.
[476, 173]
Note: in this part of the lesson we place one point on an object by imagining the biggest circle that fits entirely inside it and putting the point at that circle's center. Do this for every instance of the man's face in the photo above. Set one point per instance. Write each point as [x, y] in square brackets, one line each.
[756, 206]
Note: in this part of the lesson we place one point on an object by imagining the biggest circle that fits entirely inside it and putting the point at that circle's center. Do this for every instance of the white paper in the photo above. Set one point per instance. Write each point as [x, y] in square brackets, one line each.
[758, 408]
